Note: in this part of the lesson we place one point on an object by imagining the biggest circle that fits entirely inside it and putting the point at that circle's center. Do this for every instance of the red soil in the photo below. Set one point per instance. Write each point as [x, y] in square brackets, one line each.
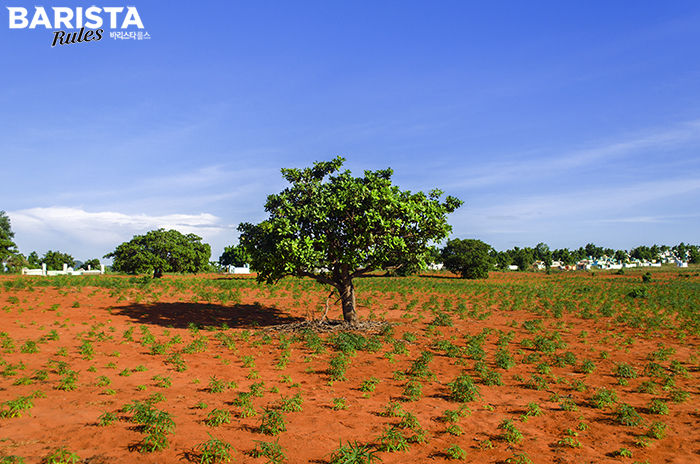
[69, 418]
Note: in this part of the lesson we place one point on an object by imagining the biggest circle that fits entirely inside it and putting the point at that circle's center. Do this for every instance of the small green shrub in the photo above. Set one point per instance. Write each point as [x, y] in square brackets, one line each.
[353, 453]
[272, 422]
[214, 451]
[273, 451]
[627, 415]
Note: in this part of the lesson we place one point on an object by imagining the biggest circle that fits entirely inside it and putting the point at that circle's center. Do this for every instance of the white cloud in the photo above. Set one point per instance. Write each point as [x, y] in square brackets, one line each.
[96, 233]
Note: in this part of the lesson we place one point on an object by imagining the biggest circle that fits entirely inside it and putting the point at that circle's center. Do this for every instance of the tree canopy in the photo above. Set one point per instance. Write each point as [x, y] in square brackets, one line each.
[235, 256]
[7, 245]
[334, 227]
[161, 251]
[92, 263]
[55, 260]
[470, 258]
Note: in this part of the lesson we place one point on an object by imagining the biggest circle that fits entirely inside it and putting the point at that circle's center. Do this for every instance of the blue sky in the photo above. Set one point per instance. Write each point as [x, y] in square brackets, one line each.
[556, 122]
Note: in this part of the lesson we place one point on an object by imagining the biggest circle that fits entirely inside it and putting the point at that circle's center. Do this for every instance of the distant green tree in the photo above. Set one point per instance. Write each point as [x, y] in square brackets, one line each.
[469, 258]
[503, 259]
[55, 260]
[34, 260]
[621, 256]
[93, 263]
[542, 253]
[8, 248]
[161, 251]
[593, 251]
[234, 256]
[642, 253]
[523, 258]
[695, 254]
[564, 256]
[333, 227]
[681, 251]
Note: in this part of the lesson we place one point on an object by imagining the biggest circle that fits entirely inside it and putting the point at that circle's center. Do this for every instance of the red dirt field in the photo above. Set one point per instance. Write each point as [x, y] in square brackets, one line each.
[570, 429]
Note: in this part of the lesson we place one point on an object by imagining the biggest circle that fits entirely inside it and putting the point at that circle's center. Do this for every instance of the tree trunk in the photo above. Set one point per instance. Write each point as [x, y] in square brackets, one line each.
[347, 298]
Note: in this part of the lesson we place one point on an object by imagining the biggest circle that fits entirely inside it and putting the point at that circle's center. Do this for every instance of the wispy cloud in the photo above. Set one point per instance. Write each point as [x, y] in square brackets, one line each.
[563, 163]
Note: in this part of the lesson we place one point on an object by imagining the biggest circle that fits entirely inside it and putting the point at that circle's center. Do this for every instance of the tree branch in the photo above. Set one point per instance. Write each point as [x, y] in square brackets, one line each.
[319, 278]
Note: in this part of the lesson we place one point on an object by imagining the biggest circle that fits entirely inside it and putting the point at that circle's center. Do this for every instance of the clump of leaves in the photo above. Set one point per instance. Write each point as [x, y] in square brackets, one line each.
[392, 440]
[510, 432]
[292, 404]
[393, 409]
[627, 415]
[455, 452]
[339, 404]
[624, 370]
[658, 407]
[604, 398]
[657, 430]
[463, 389]
[61, 456]
[214, 451]
[273, 451]
[412, 391]
[217, 385]
[217, 417]
[369, 385]
[353, 453]
[272, 422]
[420, 369]
[337, 366]
[106, 418]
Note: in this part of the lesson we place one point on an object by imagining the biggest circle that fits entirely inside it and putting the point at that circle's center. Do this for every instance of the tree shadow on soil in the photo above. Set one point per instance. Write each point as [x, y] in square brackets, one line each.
[181, 315]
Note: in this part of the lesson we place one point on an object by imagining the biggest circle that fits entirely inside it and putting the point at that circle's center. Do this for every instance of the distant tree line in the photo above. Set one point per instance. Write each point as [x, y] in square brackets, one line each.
[472, 258]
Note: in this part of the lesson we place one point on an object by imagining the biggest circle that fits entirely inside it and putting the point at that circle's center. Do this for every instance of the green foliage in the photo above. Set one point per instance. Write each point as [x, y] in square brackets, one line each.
[61, 456]
[214, 451]
[455, 452]
[292, 404]
[273, 451]
[217, 417]
[12, 459]
[658, 407]
[469, 257]
[336, 229]
[353, 453]
[8, 248]
[106, 418]
[627, 415]
[604, 398]
[55, 260]
[657, 430]
[161, 251]
[234, 256]
[92, 263]
[413, 390]
[393, 409]
[369, 385]
[16, 406]
[392, 440]
[272, 422]
[509, 432]
[463, 389]
[337, 367]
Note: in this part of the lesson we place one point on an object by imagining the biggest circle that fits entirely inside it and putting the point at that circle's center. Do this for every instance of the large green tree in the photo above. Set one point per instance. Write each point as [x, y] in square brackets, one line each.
[55, 260]
[235, 256]
[161, 251]
[334, 227]
[7, 245]
[470, 258]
